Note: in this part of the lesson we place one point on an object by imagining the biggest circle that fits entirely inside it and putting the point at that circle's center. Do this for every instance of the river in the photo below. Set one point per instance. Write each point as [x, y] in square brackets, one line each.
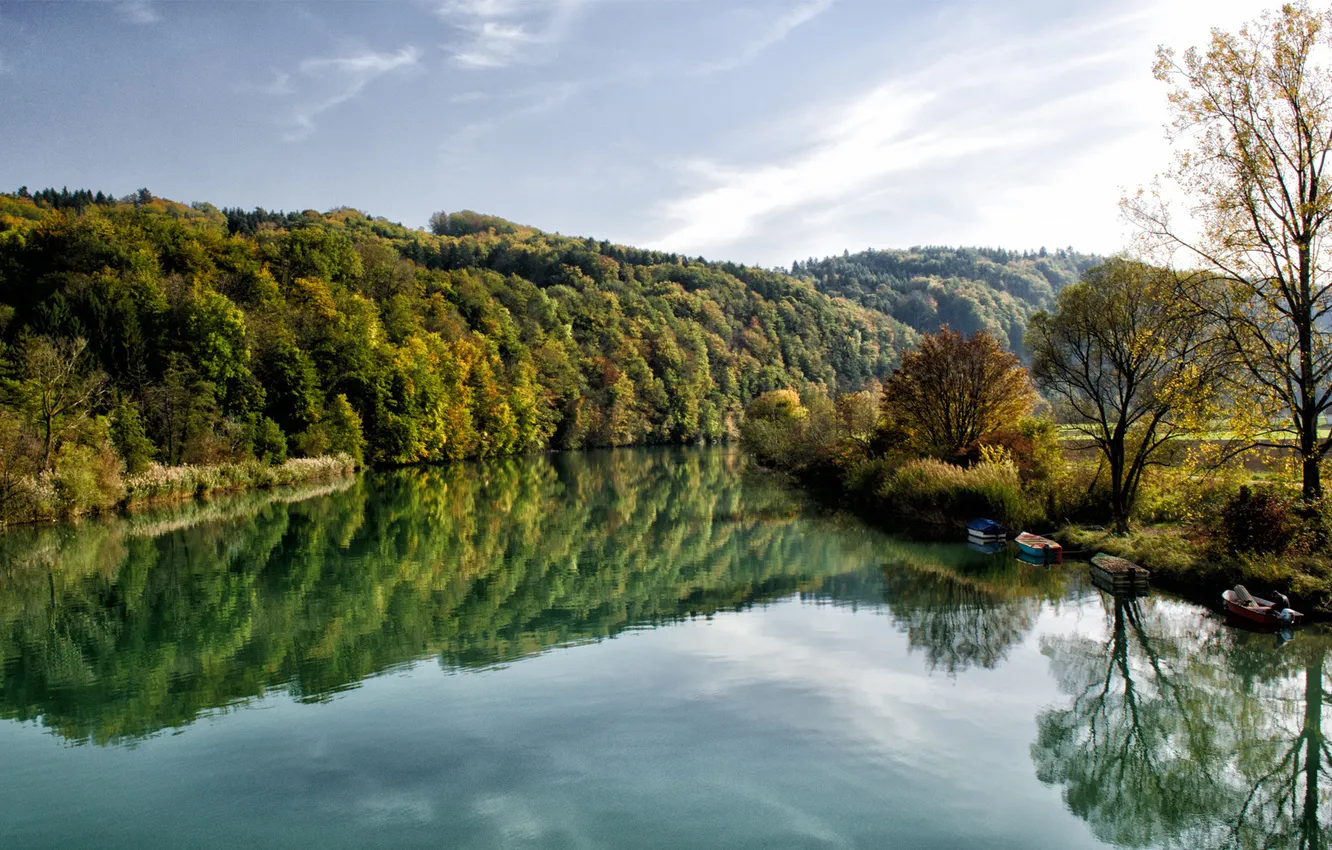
[651, 648]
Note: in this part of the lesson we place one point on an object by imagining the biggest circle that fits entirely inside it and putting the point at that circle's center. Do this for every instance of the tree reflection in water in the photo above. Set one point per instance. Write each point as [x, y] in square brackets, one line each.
[1177, 730]
[112, 631]
[1185, 732]
[964, 609]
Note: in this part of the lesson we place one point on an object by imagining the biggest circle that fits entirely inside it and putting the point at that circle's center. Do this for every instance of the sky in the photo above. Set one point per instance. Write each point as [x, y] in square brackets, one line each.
[757, 131]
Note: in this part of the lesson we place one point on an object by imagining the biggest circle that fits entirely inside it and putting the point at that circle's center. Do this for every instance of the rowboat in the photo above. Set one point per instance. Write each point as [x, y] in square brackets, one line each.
[1117, 575]
[1255, 609]
[982, 530]
[1041, 549]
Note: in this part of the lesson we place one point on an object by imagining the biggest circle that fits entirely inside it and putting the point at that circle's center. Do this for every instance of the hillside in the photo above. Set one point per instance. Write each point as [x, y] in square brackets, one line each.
[969, 289]
[216, 335]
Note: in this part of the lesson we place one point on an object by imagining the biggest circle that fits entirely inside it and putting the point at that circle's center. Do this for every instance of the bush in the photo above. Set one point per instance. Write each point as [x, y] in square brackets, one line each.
[774, 428]
[1182, 496]
[270, 444]
[936, 492]
[1264, 522]
[868, 476]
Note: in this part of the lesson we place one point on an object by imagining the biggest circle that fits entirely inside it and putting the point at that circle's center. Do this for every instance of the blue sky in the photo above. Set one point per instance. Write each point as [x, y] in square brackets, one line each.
[759, 131]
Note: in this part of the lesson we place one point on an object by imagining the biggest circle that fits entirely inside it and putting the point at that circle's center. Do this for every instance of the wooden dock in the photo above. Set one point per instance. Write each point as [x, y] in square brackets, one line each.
[1118, 576]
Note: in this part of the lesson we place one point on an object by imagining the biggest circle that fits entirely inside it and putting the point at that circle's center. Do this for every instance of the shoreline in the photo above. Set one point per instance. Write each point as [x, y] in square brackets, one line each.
[162, 486]
[1151, 547]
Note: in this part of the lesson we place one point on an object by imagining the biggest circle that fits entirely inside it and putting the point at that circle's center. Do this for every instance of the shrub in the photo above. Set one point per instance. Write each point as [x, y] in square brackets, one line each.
[164, 483]
[933, 491]
[270, 444]
[772, 427]
[868, 476]
[1262, 521]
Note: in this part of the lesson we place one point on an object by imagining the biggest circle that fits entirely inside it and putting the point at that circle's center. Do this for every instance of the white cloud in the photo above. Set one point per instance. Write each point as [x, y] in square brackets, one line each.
[783, 26]
[501, 33]
[326, 83]
[281, 85]
[1032, 141]
[901, 127]
[139, 12]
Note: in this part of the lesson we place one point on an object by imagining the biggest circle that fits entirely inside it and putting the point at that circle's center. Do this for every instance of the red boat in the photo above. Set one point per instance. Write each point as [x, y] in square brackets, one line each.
[1258, 610]
[1044, 550]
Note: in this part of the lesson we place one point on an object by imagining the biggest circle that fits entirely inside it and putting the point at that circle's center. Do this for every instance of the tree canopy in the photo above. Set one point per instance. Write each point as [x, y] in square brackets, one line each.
[1253, 123]
[1128, 364]
[968, 289]
[952, 390]
[223, 334]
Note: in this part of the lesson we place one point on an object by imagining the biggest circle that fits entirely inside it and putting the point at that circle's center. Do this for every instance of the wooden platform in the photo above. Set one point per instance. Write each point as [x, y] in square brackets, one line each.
[1117, 575]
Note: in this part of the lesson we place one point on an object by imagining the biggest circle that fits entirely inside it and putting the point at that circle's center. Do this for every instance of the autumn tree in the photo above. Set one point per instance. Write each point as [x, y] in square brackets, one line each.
[951, 390]
[1253, 123]
[1128, 364]
[771, 423]
[60, 390]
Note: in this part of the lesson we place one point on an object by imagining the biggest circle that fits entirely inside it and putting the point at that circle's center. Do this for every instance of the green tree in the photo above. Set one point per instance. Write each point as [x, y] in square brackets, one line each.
[1129, 364]
[343, 425]
[268, 442]
[59, 388]
[130, 437]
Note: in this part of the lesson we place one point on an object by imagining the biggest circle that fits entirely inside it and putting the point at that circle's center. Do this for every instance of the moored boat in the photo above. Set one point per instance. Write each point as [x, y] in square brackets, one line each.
[1045, 550]
[981, 530]
[1255, 609]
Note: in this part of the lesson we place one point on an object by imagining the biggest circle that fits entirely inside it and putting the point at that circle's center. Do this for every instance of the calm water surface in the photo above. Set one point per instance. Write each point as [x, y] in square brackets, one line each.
[634, 649]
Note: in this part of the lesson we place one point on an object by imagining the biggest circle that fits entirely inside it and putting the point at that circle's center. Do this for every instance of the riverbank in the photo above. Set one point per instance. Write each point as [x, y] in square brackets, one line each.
[933, 501]
[1192, 567]
[49, 498]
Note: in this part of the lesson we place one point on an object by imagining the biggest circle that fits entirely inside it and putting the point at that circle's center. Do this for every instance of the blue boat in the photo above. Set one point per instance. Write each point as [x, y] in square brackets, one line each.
[1039, 550]
[983, 530]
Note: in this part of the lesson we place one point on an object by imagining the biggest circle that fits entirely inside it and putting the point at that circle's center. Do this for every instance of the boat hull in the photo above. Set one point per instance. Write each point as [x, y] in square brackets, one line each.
[1251, 615]
[1040, 549]
[984, 531]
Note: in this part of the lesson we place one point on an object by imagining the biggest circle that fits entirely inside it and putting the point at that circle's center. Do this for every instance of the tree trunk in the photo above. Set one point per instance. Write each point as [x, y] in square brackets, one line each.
[1310, 828]
[1118, 496]
[47, 440]
[1312, 489]
[1312, 485]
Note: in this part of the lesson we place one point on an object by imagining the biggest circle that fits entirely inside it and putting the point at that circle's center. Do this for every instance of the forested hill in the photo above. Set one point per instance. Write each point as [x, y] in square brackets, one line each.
[220, 335]
[969, 289]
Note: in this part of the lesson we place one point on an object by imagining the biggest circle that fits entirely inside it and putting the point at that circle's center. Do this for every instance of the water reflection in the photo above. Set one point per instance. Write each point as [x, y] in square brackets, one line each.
[1173, 730]
[1183, 732]
[111, 631]
[964, 608]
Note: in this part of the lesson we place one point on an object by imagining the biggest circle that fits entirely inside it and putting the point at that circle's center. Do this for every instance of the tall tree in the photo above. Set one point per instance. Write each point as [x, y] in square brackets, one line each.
[1253, 123]
[1127, 363]
[60, 389]
[952, 390]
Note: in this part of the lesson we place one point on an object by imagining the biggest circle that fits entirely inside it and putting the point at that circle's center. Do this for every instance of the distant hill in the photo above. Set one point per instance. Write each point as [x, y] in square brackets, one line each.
[969, 289]
[231, 332]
